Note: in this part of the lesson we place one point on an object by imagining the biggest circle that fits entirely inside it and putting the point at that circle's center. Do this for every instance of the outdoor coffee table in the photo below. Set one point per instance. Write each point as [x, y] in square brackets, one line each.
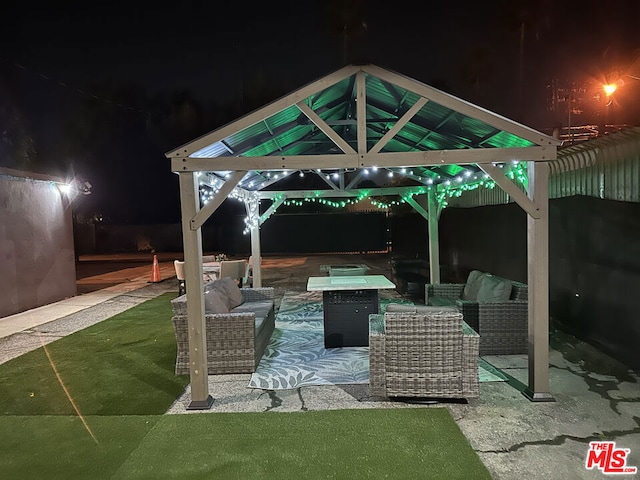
[347, 303]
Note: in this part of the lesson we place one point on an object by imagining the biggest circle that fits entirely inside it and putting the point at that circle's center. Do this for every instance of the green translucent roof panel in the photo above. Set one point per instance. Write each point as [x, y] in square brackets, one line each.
[434, 127]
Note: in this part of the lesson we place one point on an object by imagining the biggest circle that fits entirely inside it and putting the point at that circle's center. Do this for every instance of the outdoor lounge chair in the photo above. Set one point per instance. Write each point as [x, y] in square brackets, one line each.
[420, 351]
[495, 307]
[236, 269]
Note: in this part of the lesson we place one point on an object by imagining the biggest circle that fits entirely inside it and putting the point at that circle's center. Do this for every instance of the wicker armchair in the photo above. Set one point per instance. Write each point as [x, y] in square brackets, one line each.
[429, 354]
[502, 325]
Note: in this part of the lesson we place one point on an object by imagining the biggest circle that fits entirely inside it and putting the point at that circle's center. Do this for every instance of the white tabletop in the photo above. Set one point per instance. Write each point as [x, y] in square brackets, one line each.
[211, 267]
[359, 282]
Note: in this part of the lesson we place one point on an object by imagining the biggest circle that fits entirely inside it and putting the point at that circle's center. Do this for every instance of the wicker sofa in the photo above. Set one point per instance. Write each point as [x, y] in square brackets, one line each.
[419, 351]
[237, 337]
[495, 307]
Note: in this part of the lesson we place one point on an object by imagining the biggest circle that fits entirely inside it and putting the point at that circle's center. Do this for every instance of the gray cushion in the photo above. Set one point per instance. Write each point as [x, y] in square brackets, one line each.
[435, 308]
[260, 307]
[399, 308]
[494, 289]
[214, 302]
[229, 291]
[472, 287]
[442, 301]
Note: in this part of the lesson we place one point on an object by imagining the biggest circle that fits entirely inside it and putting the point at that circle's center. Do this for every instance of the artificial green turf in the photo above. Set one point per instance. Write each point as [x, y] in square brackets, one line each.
[59, 446]
[120, 374]
[121, 366]
[340, 444]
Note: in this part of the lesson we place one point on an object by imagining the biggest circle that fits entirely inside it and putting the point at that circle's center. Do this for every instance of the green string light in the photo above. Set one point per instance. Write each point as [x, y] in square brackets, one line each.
[517, 171]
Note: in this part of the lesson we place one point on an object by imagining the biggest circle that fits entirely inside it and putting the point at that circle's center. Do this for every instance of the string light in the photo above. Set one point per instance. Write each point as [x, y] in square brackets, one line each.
[252, 220]
[517, 171]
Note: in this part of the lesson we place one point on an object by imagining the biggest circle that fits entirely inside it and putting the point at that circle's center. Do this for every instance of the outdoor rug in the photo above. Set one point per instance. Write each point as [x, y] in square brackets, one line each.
[296, 355]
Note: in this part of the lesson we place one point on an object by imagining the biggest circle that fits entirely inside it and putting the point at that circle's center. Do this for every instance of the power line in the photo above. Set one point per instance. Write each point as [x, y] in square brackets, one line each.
[80, 91]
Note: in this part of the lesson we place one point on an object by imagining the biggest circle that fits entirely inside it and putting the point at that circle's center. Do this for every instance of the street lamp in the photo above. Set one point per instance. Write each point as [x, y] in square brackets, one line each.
[609, 89]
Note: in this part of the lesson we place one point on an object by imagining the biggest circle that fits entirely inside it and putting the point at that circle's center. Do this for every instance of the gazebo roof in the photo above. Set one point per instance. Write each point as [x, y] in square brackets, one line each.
[352, 123]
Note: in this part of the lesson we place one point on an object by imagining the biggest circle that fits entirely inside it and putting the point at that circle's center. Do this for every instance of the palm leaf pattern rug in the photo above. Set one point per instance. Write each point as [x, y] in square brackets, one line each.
[296, 355]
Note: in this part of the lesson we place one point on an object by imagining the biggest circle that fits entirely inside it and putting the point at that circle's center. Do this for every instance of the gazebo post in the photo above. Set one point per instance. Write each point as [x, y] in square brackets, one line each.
[434, 241]
[192, 244]
[538, 280]
[256, 254]
[253, 214]
[431, 216]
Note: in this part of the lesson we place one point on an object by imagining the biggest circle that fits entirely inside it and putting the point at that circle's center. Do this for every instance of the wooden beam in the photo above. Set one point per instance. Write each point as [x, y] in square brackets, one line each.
[361, 112]
[257, 255]
[199, 218]
[434, 236]
[272, 209]
[538, 284]
[324, 178]
[510, 188]
[355, 179]
[428, 158]
[252, 206]
[192, 244]
[265, 112]
[417, 207]
[340, 142]
[402, 121]
[465, 156]
[462, 106]
[355, 192]
[274, 162]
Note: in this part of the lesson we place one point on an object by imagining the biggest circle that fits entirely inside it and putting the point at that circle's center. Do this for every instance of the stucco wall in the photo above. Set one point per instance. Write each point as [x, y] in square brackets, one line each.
[37, 263]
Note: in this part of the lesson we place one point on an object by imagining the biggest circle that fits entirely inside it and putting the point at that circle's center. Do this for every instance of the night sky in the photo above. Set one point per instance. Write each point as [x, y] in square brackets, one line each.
[97, 86]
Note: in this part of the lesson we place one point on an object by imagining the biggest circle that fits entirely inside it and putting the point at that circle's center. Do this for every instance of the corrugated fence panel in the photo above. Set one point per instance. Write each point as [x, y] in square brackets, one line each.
[606, 167]
[480, 197]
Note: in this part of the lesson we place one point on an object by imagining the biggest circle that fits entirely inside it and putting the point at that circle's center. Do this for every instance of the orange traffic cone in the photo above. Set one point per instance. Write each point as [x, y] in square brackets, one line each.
[155, 270]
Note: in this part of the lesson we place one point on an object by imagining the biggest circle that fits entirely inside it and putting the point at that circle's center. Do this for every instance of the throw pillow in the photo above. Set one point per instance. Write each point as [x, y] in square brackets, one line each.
[494, 289]
[214, 303]
[472, 287]
[228, 288]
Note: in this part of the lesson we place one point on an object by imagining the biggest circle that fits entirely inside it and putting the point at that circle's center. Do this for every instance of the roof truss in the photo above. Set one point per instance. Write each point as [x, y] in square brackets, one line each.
[352, 122]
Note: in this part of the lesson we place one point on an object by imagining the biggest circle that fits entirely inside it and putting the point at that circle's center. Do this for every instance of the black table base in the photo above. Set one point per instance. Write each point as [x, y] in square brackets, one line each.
[346, 317]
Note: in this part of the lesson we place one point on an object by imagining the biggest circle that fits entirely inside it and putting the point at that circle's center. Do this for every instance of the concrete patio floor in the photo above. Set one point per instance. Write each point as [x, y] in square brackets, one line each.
[597, 398]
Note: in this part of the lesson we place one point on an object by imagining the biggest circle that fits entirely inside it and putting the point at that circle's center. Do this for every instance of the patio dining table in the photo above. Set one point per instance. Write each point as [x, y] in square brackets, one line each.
[211, 270]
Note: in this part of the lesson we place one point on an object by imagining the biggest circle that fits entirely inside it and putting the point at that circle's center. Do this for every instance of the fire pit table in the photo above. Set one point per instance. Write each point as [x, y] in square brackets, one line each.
[347, 302]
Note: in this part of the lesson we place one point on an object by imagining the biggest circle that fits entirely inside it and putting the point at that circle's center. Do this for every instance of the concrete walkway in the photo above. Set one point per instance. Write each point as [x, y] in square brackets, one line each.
[597, 398]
